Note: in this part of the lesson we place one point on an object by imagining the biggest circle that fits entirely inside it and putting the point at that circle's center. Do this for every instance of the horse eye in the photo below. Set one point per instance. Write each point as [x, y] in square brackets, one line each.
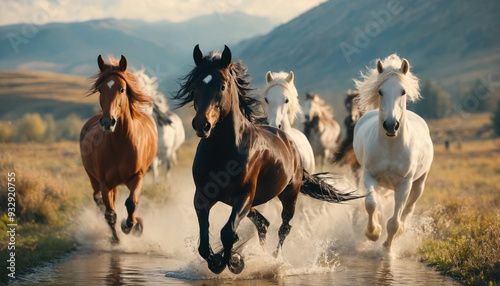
[286, 100]
[403, 92]
[380, 92]
[122, 90]
[98, 89]
[265, 98]
[223, 87]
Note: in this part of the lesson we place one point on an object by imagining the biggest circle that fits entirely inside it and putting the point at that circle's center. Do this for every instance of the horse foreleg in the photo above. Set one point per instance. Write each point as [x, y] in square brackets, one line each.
[132, 202]
[109, 198]
[241, 208]
[373, 228]
[261, 223]
[202, 207]
[401, 193]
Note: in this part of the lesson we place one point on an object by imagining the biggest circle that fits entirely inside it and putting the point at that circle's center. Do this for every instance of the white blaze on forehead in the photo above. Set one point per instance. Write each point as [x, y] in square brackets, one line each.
[110, 83]
[207, 79]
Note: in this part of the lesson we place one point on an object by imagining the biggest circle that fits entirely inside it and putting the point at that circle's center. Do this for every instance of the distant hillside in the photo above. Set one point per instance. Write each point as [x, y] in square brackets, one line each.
[165, 47]
[449, 41]
[44, 93]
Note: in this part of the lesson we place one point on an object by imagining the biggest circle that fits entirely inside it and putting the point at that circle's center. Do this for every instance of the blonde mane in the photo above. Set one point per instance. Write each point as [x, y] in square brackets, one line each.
[371, 81]
[325, 110]
[279, 78]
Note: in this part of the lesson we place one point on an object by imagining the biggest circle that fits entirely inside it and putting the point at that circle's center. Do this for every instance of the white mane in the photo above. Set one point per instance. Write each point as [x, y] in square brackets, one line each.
[279, 78]
[149, 86]
[371, 81]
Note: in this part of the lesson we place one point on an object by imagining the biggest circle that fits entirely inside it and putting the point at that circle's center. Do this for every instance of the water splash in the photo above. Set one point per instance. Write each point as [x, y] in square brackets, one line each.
[322, 234]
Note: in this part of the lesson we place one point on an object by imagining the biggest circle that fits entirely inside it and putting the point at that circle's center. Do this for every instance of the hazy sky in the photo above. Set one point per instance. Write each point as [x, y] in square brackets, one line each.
[43, 11]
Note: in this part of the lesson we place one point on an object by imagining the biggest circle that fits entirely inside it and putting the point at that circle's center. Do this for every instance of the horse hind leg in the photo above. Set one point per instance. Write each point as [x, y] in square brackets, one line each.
[133, 223]
[288, 199]
[261, 223]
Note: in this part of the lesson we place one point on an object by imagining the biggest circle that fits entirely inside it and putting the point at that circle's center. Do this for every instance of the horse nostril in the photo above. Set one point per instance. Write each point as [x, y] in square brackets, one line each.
[113, 122]
[397, 126]
[384, 125]
[279, 126]
[207, 127]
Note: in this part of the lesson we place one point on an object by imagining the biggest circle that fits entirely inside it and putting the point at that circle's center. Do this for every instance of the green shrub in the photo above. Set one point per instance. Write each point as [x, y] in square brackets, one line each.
[31, 128]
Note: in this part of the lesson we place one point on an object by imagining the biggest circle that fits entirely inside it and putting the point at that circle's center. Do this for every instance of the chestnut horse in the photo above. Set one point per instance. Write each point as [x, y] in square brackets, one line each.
[238, 162]
[119, 143]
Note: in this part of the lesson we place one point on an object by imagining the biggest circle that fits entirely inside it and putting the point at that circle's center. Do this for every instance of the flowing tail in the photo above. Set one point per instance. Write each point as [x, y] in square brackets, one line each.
[315, 186]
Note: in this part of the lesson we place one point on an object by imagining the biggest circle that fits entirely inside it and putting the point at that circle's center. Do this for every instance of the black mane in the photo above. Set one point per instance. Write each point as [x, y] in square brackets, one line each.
[250, 107]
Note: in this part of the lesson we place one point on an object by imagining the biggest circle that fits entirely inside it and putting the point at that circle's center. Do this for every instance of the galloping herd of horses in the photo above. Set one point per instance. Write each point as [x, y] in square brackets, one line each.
[247, 156]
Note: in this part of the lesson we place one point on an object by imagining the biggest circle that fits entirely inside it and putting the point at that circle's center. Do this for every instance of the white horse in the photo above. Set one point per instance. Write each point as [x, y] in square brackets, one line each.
[170, 130]
[321, 129]
[391, 143]
[282, 108]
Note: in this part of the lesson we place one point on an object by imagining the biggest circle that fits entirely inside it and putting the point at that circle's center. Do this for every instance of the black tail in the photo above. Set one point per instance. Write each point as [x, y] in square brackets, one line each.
[316, 187]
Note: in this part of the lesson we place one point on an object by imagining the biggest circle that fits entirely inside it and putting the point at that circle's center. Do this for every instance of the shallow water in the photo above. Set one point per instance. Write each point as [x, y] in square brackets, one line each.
[326, 246]
[109, 268]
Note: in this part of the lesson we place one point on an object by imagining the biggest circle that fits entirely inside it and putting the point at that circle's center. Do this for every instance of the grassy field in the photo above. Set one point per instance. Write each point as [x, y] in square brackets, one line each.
[44, 93]
[462, 197]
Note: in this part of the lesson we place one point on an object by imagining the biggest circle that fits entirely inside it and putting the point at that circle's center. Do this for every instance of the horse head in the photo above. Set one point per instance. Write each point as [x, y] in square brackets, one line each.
[351, 106]
[212, 91]
[312, 107]
[281, 98]
[113, 93]
[392, 99]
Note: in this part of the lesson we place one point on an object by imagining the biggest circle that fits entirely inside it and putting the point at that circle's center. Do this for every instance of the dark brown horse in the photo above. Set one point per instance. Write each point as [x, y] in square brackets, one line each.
[119, 143]
[345, 152]
[238, 162]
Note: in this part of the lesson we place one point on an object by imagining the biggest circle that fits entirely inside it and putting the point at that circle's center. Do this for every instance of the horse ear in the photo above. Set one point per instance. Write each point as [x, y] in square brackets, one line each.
[101, 63]
[197, 55]
[380, 67]
[225, 59]
[405, 66]
[289, 78]
[269, 77]
[123, 63]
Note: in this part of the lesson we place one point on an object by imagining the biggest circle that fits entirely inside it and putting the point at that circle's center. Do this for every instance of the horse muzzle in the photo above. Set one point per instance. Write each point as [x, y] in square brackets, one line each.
[108, 124]
[391, 127]
[202, 128]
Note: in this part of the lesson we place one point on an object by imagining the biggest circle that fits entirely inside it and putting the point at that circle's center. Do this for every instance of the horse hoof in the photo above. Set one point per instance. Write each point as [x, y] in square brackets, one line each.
[236, 263]
[126, 229]
[215, 263]
[138, 227]
[276, 253]
[115, 241]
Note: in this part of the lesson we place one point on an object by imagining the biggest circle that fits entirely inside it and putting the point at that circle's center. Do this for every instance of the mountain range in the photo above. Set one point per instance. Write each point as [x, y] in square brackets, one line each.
[164, 47]
[327, 46]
